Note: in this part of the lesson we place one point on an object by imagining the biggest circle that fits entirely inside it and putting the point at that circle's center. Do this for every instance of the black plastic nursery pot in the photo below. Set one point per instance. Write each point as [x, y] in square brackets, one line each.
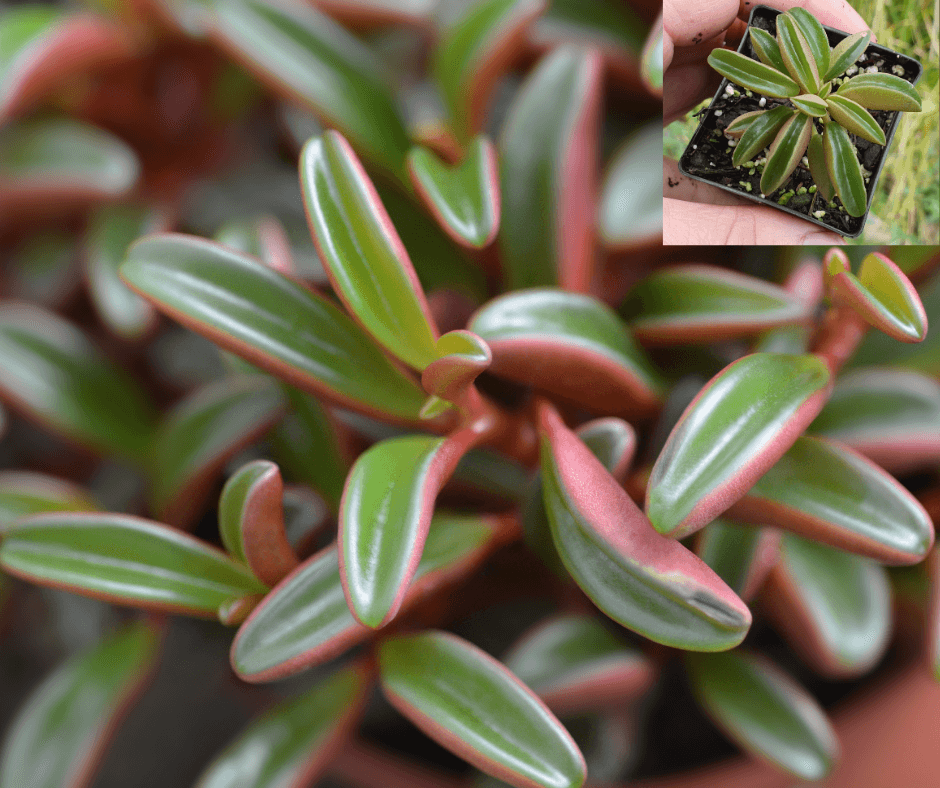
[708, 155]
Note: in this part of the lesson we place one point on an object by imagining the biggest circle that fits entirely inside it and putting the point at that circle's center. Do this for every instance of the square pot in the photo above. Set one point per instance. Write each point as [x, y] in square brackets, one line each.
[707, 157]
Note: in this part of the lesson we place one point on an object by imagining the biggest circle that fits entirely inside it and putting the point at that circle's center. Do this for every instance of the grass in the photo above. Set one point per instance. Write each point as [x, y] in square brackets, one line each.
[906, 205]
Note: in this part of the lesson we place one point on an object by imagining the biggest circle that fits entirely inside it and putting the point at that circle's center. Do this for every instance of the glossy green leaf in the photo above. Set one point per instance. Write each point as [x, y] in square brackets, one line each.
[464, 199]
[767, 49]
[816, 155]
[470, 703]
[270, 320]
[752, 75]
[881, 91]
[810, 105]
[50, 370]
[765, 712]
[126, 560]
[834, 607]
[596, 361]
[619, 31]
[760, 132]
[292, 743]
[846, 52]
[24, 493]
[263, 237]
[322, 65]
[797, 54]
[463, 357]
[705, 303]
[738, 426]
[742, 122]
[741, 555]
[550, 132]
[855, 119]
[815, 35]
[202, 433]
[785, 152]
[629, 212]
[642, 580]
[58, 737]
[21, 29]
[844, 169]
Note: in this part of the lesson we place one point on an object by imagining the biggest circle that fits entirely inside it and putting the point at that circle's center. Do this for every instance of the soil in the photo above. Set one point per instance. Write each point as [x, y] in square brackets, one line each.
[708, 155]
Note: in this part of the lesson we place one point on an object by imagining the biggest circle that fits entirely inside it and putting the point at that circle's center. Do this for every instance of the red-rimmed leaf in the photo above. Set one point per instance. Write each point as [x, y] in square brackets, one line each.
[798, 55]
[263, 237]
[766, 48]
[736, 428]
[815, 35]
[305, 620]
[628, 212]
[759, 133]
[463, 356]
[855, 118]
[251, 521]
[785, 152]
[741, 555]
[464, 199]
[613, 442]
[810, 105]
[548, 166]
[752, 74]
[704, 303]
[846, 52]
[826, 492]
[816, 156]
[644, 581]
[61, 733]
[472, 53]
[595, 361]
[52, 372]
[845, 173]
[467, 701]
[833, 607]
[23, 493]
[201, 434]
[292, 743]
[126, 560]
[243, 305]
[881, 91]
[576, 664]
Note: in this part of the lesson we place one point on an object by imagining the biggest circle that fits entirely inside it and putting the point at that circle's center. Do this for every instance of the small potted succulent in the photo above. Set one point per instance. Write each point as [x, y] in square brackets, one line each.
[803, 119]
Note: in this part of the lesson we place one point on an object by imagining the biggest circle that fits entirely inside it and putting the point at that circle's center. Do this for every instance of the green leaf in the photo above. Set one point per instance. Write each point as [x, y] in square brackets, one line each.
[320, 64]
[620, 31]
[785, 152]
[629, 212]
[767, 49]
[855, 119]
[471, 704]
[846, 52]
[737, 427]
[797, 54]
[471, 54]
[263, 237]
[765, 712]
[742, 123]
[201, 434]
[23, 493]
[810, 105]
[548, 133]
[463, 357]
[21, 29]
[752, 75]
[741, 555]
[881, 91]
[464, 199]
[844, 169]
[816, 155]
[815, 35]
[760, 132]
[59, 735]
[827, 492]
[279, 325]
[644, 581]
[705, 303]
[293, 742]
[125, 560]
[596, 361]
[50, 370]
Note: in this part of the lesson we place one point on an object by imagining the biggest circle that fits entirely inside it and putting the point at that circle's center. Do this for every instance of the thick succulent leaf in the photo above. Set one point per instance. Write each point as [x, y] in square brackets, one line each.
[810, 105]
[305, 620]
[368, 265]
[815, 35]
[472, 53]
[827, 492]
[23, 493]
[202, 433]
[767, 49]
[855, 119]
[263, 237]
[760, 132]
[705, 303]
[321, 65]
[550, 133]
[642, 580]
[741, 555]
[752, 74]
[59, 735]
[765, 711]
[385, 515]
[742, 122]
[785, 152]
[463, 356]
[844, 169]
[835, 608]
[464, 199]
[125, 560]
[270, 320]
[816, 155]
[881, 91]
[576, 664]
[735, 429]
[613, 442]
[595, 361]
[797, 54]
[292, 743]
[846, 52]
[630, 211]
[51, 371]
[470, 703]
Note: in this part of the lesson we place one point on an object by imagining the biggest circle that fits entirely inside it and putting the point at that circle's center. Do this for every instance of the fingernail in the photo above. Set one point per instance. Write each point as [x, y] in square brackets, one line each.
[653, 59]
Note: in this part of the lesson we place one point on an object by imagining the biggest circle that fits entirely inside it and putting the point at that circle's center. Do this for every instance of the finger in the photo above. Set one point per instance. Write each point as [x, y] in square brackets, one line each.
[692, 223]
[686, 86]
[835, 13]
[690, 23]
[678, 187]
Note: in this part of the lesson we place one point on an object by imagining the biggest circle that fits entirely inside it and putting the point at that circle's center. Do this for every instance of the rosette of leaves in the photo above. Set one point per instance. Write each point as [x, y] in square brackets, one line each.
[819, 105]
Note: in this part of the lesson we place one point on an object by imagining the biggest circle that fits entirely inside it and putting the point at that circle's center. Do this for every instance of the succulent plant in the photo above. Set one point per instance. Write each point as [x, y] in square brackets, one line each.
[824, 101]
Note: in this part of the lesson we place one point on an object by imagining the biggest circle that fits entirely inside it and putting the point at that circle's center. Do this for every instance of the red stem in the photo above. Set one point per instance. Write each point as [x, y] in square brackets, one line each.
[838, 337]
